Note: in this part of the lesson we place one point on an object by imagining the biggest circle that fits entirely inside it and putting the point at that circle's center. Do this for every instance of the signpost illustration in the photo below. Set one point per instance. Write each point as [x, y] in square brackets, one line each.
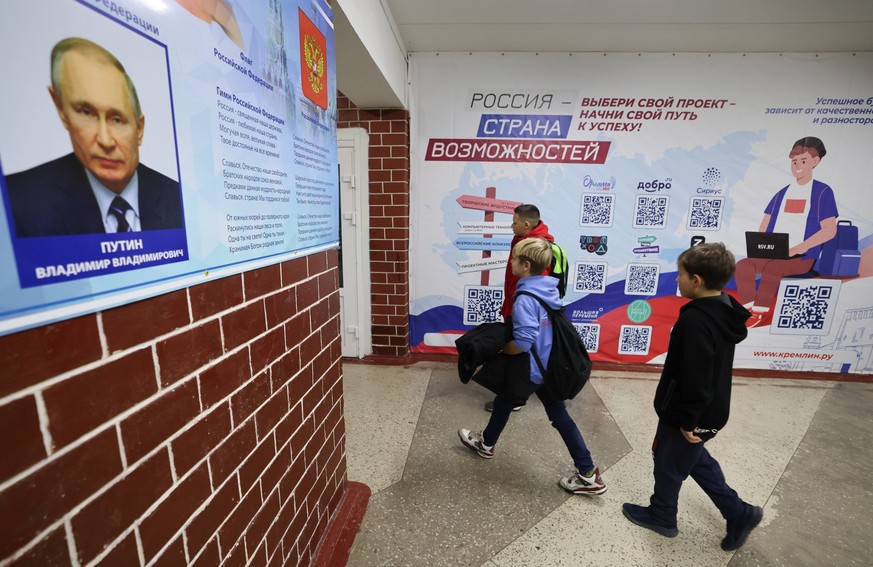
[490, 204]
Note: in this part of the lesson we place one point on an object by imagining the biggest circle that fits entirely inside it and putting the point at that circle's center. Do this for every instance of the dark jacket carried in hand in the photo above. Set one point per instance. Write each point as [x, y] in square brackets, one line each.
[479, 358]
[695, 387]
[477, 346]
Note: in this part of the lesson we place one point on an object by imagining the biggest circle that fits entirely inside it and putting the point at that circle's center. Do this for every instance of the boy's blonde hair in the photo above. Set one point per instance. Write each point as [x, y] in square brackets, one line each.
[537, 251]
[714, 263]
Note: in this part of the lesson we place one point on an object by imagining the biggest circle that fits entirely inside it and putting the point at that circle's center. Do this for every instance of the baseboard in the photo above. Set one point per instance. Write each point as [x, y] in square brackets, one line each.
[340, 535]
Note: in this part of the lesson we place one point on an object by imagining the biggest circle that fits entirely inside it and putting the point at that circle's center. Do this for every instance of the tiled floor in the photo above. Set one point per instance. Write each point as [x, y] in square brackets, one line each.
[801, 449]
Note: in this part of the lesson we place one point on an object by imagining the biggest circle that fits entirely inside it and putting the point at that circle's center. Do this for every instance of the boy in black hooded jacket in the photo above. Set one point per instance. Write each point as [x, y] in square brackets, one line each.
[693, 397]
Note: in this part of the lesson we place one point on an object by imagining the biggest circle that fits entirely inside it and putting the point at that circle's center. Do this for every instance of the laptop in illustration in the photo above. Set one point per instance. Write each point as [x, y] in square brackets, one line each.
[772, 245]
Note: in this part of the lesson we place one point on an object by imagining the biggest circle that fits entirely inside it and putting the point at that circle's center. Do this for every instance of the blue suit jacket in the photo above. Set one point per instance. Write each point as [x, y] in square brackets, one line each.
[55, 199]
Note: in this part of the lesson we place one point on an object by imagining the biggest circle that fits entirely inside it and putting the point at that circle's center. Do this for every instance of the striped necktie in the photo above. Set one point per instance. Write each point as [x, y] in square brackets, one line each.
[117, 209]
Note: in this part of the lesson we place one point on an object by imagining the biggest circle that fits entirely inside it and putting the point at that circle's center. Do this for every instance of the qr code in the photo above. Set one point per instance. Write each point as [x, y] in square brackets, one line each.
[634, 339]
[590, 277]
[482, 304]
[705, 213]
[650, 211]
[597, 209]
[805, 307]
[642, 279]
[590, 334]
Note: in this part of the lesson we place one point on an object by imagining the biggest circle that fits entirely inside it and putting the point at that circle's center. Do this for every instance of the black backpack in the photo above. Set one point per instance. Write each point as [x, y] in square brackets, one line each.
[569, 364]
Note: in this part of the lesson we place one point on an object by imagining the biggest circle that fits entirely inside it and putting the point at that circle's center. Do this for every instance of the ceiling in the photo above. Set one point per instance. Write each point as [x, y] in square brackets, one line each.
[634, 25]
[612, 26]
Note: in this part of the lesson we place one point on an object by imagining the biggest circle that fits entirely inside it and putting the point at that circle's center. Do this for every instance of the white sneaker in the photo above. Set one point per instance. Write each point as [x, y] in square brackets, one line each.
[578, 484]
[474, 441]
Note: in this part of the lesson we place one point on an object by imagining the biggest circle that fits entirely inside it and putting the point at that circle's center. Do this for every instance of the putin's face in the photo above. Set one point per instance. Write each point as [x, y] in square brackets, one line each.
[95, 107]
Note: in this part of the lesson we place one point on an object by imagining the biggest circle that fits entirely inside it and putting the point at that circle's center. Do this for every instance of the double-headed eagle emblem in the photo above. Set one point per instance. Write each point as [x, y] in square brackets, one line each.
[313, 56]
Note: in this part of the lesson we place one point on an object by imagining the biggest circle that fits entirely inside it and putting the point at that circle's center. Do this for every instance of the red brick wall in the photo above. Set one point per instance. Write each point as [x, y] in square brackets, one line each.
[201, 426]
[389, 221]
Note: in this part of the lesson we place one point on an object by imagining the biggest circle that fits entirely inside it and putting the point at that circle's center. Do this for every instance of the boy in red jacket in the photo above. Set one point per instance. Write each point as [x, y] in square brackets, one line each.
[526, 223]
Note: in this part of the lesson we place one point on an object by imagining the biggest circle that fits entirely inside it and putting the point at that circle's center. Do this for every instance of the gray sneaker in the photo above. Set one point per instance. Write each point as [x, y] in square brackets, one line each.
[489, 406]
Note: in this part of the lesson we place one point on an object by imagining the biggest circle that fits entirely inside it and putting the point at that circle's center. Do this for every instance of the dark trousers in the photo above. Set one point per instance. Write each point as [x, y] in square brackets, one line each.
[675, 460]
[556, 410]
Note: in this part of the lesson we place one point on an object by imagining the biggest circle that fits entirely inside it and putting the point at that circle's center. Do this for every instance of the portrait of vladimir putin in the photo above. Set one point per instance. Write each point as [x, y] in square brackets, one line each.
[101, 187]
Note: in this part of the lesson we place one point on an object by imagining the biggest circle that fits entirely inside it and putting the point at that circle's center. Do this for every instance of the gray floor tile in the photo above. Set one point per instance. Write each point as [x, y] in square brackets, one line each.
[455, 508]
[802, 449]
[821, 511]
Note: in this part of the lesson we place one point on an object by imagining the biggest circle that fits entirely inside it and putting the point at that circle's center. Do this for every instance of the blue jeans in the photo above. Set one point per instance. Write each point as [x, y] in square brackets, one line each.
[675, 460]
[561, 420]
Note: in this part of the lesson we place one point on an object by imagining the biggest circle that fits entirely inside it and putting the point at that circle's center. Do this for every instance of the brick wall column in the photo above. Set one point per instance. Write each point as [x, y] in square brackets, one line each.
[200, 427]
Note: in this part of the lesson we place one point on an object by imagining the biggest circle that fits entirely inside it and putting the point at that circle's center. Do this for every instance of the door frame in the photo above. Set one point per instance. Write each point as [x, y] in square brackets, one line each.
[359, 208]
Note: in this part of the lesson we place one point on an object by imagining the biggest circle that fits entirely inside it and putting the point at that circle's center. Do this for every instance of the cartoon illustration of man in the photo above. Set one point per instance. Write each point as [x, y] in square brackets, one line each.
[807, 211]
[101, 186]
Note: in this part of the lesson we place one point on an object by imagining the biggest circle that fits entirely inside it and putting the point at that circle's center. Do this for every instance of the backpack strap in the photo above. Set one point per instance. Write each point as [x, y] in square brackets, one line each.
[559, 267]
[545, 305]
[551, 312]
[533, 351]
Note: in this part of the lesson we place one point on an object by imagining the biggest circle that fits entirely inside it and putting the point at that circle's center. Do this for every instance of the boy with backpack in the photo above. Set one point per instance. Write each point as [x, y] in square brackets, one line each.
[526, 223]
[532, 329]
[694, 395]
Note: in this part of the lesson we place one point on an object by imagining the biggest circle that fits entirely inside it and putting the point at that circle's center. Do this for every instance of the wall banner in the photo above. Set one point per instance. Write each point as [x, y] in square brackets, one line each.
[150, 146]
[633, 158]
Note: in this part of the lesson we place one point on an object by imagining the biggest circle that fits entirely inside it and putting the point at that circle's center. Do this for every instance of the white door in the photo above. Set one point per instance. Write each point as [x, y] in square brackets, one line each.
[354, 266]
